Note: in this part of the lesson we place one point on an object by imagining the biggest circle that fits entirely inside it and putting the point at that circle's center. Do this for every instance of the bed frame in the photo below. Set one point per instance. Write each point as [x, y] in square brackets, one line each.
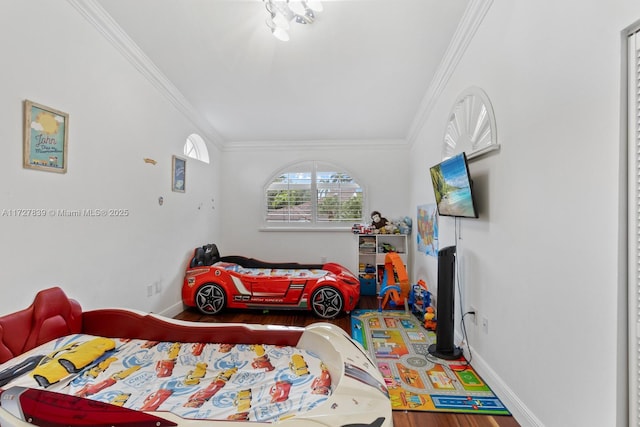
[359, 397]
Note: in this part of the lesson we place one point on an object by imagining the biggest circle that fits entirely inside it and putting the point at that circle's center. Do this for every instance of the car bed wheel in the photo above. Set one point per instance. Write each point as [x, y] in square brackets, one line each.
[327, 302]
[210, 298]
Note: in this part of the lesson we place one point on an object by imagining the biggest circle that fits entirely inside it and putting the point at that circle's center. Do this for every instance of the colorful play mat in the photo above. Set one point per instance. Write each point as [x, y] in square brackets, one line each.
[418, 381]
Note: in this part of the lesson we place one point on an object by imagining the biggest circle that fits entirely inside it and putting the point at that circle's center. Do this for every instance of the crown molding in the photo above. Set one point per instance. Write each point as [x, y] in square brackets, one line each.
[471, 20]
[104, 23]
[318, 145]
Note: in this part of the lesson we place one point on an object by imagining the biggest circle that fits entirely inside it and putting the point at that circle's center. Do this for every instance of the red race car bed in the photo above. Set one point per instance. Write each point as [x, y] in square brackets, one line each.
[62, 366]
[212, 283]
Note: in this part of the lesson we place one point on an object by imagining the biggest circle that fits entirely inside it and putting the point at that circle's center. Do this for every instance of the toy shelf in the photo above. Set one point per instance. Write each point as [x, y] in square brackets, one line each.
[372, 249]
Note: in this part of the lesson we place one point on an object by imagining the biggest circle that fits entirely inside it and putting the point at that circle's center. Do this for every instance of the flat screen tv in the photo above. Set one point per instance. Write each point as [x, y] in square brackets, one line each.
[453, 187]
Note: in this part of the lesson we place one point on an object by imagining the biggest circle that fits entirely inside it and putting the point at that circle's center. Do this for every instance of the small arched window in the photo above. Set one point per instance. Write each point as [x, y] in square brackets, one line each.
[196, 148]
[313, 194]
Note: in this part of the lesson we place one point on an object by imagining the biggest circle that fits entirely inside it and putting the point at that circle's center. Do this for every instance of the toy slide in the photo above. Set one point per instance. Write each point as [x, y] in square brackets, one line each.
[395, 285]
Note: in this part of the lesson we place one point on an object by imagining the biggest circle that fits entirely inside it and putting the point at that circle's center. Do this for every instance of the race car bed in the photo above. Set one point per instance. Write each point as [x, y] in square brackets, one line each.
[117, 367]
[213, 282]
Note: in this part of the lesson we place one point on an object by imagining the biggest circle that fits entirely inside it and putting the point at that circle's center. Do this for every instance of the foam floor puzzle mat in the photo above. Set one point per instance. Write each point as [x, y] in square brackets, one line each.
[418, 381]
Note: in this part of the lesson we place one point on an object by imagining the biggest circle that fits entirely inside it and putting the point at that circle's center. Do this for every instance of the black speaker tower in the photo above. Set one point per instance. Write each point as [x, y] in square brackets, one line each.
[444, 348]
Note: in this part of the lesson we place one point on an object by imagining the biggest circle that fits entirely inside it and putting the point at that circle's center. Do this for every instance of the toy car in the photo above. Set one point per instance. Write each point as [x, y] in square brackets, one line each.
[322, 384]
[262, 362]
[213, 282]
[298, 365]
[100, 367]
[153, 401]
[194, 376]
[280, 391]
[69, 359]
[200, 397]
[164, 368]
[242, 401]
[88, 390]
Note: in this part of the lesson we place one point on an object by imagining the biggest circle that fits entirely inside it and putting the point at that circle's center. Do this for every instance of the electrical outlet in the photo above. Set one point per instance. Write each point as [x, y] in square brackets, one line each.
[474, 316]
[149, 291]
[485, 325]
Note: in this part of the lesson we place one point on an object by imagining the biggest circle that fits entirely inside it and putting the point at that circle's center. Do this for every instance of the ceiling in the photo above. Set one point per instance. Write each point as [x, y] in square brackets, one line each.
[361, 71]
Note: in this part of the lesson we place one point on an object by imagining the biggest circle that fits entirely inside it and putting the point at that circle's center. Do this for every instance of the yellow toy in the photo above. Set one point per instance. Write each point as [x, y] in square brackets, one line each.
[430, 319]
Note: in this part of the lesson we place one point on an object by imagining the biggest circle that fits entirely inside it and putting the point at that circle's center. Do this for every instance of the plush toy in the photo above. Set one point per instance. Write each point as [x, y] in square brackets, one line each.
[390, 228]
[404, 225]
[382, 225]
[379, 222]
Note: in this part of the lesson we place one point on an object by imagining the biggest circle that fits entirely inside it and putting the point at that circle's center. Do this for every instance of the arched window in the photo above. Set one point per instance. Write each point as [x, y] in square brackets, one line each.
[195, 148]
[313, 194]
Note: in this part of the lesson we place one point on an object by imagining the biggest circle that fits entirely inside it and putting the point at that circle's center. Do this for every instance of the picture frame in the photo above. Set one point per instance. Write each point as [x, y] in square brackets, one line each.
[178, 174]
[45, 142]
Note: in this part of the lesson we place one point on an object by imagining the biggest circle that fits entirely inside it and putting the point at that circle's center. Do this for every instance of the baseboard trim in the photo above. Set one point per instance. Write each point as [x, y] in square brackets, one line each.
[173, 310]
[518, 409]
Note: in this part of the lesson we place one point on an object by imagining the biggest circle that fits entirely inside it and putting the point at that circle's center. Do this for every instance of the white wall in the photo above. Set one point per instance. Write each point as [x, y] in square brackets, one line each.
[117, 118]
[380, 168]
[541, 262]
[53, 56]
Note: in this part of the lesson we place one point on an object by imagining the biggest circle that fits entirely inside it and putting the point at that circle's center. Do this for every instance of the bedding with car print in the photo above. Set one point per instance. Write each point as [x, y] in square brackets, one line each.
[213, 381]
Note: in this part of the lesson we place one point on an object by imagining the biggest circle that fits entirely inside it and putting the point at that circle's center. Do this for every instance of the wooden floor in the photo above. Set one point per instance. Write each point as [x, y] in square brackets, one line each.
[301, 318]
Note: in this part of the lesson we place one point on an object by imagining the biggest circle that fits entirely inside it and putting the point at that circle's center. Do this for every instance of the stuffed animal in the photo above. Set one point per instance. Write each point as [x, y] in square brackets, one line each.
[382, 225]
[378, 222]
[404, 225]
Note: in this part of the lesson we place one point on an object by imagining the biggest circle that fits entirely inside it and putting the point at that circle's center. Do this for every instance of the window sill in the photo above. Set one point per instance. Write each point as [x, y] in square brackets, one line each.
[304, 228]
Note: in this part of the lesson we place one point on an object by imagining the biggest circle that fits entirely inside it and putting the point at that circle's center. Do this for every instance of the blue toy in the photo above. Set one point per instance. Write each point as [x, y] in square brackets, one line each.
[420, 299]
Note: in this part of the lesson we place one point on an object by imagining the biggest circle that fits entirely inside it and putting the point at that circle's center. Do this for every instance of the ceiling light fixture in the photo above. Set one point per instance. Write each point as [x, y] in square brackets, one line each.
[282, 12]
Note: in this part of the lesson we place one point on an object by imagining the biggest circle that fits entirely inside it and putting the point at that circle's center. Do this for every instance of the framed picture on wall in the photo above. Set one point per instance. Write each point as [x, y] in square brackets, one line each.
[45, 138]
[178, 174]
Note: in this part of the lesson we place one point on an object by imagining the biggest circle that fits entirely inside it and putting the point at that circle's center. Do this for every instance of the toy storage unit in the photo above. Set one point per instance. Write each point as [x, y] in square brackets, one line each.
[372, 249]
